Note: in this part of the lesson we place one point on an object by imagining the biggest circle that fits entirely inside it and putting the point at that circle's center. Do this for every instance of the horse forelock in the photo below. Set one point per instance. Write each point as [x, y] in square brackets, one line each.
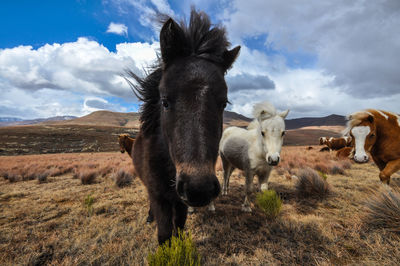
[200, 37]
[264, 110]
[355, 119]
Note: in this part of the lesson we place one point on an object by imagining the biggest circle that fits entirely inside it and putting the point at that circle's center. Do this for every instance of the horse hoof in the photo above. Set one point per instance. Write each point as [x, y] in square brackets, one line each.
[190, 210]
[246, 209]
[264, 187]
[224, 193]
[211, 208]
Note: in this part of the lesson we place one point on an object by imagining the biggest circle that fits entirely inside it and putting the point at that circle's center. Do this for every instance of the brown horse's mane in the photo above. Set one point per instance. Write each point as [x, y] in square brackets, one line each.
[200, 41]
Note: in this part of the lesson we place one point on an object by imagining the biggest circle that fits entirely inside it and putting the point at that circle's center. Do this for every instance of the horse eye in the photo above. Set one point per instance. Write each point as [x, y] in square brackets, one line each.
[372, 135]
[164, 102]
[283, 133]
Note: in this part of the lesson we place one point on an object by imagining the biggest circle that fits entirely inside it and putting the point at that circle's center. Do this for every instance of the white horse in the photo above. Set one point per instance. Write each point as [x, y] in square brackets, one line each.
[254, 150]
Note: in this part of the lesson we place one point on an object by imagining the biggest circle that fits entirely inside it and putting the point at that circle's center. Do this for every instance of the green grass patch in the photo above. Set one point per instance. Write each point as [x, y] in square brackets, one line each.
[178, 251]
[270, 203]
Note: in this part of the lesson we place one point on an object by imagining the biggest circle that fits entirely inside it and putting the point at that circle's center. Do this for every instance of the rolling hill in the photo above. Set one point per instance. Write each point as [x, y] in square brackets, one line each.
[98, 131]
[13, 121]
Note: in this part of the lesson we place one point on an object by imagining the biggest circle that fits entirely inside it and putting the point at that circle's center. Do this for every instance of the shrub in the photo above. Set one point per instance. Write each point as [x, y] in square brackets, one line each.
[336, 170]
[323, 175]
[383, 210]
[13, 178]
[42, 177]
[4, 175]
[178, 251]
[311, 184]
[322, 167]
[75, 173]
[270, 203]
[346, 164]
[87, 177]
[89, 201]
[122, 178]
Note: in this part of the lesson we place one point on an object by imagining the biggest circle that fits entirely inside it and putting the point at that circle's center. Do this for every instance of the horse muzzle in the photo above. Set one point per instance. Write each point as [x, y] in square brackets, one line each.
[273, 160]
[197, 191]
[361, 158]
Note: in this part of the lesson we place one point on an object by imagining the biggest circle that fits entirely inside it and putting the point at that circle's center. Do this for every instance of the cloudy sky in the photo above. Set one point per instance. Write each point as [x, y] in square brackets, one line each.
[314, 57]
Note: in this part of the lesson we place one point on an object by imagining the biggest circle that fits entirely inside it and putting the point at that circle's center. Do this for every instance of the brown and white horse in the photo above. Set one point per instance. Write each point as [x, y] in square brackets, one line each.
[377, 132]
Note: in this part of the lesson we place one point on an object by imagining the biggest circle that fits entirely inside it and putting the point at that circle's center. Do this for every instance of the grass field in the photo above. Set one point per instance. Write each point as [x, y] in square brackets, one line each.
[60, 221]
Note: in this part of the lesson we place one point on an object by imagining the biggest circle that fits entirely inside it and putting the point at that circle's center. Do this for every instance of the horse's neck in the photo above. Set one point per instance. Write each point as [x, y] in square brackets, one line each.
[388, 134]
[128, 145]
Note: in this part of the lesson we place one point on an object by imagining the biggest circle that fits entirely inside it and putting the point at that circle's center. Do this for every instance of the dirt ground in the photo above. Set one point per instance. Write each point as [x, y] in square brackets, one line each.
[50, 223]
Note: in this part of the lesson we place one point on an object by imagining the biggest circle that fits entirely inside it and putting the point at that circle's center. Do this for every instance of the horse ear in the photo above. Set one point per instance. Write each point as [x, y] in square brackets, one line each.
[172, 41]
[370, 119]
[284, 114]
[229, 56]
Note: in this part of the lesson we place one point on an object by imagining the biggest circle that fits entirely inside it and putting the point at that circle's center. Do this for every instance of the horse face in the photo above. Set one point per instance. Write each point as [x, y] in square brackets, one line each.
[363, 138]
[193, 95]
[272, 132]
[192, 106]
[121, 139]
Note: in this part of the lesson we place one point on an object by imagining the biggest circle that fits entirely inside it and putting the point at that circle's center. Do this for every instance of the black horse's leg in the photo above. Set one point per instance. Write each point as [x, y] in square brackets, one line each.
[180, 214]
[150, 217]
[162, 211]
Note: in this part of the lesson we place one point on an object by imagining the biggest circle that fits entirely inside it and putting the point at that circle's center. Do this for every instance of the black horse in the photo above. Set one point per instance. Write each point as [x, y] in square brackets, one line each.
[183, 102]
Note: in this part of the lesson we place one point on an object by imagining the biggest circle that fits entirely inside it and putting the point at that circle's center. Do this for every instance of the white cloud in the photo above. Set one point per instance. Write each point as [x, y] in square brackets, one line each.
[117, 28]
[67, 71]
[357, 42]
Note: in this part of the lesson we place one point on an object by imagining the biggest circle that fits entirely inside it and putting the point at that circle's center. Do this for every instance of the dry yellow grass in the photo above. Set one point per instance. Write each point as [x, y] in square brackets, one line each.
[49, 222]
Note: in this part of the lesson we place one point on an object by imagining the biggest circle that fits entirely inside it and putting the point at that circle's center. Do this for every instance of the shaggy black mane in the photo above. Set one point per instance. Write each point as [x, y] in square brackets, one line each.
[201, 41]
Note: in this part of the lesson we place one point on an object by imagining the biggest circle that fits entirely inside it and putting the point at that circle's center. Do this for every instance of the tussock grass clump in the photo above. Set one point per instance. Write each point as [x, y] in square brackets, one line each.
[311, 185]
[42, 177]
[270, 203]
[87, 177]
[337, 170]
[322, 167]
[13, 178]
[383, 210]
[88, 202]
[178, 251]
[122, 178]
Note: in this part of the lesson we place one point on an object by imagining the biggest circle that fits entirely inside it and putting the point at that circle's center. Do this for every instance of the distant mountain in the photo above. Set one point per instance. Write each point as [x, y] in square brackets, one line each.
[131, 120]
[12, 121]
[9, 119]
[104, 118]
[330, 120]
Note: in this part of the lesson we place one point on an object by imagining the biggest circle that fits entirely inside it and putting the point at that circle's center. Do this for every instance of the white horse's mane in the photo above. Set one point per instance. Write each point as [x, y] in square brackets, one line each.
[261, 112]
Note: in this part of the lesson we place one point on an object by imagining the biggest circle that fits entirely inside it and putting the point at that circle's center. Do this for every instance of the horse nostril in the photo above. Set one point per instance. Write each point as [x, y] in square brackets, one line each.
[365, 158]
[180, 189]
[269, 159]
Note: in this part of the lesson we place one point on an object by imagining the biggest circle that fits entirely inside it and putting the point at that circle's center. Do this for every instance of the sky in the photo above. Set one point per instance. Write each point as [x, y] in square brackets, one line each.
[314, 57]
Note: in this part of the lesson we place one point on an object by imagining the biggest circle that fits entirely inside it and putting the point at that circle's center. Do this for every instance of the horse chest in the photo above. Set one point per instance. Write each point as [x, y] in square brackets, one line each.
[259, 165]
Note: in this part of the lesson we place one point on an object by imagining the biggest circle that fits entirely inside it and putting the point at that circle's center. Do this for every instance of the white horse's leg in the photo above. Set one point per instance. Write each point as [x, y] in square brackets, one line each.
[211, 207]
[228, 169]
[248, 189]
[263, 179]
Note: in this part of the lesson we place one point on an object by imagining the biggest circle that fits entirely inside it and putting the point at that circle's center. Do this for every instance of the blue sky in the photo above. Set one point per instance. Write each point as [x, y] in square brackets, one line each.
[66, 57]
